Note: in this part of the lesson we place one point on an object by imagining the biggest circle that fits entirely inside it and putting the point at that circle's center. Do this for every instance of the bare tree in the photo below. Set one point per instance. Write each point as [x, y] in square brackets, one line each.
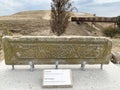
[60, 14]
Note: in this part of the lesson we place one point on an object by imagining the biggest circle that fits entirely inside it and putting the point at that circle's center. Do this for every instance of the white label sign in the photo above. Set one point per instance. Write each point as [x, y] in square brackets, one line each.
[57, 77]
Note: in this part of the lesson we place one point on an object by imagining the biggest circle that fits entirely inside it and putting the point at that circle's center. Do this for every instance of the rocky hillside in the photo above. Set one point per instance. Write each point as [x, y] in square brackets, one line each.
[37, 23]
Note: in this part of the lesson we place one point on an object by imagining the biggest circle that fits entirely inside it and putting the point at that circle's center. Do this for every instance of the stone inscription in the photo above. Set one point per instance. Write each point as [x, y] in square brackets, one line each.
[50, 50]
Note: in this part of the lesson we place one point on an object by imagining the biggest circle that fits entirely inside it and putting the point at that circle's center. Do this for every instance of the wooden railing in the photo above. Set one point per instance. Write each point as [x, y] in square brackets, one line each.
[95, 19]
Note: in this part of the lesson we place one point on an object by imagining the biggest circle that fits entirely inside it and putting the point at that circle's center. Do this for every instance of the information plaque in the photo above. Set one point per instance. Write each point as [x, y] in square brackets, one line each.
[61, 78]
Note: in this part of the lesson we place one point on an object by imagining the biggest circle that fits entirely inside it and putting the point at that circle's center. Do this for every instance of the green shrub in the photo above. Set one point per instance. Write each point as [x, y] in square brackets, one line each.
[118, 30]
[110, 31]
[6, 32]
[118, 21]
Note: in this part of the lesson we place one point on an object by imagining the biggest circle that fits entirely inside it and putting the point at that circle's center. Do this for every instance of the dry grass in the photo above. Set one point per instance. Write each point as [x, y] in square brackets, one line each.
[116, 45]
[37, 23]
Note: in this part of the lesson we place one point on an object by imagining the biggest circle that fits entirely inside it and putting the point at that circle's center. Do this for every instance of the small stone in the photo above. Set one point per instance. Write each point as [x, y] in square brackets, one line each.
[116, 57]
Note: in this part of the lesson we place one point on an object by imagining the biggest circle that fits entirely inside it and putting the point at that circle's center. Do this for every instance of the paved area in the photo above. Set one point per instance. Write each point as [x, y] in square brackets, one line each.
[91, 79]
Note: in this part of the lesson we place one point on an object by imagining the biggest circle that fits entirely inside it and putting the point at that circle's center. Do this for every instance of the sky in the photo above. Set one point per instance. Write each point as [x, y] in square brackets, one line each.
[108, 8]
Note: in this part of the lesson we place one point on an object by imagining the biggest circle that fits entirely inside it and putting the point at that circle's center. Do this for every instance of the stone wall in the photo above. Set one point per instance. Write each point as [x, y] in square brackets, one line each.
[48, 49]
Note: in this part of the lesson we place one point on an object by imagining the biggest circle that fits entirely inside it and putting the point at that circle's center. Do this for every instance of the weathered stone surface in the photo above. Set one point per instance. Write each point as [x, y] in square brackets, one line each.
[116, 57]
[48, 49]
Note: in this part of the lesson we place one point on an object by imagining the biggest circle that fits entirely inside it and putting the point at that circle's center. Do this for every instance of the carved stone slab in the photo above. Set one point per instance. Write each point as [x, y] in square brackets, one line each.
[48, 49]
